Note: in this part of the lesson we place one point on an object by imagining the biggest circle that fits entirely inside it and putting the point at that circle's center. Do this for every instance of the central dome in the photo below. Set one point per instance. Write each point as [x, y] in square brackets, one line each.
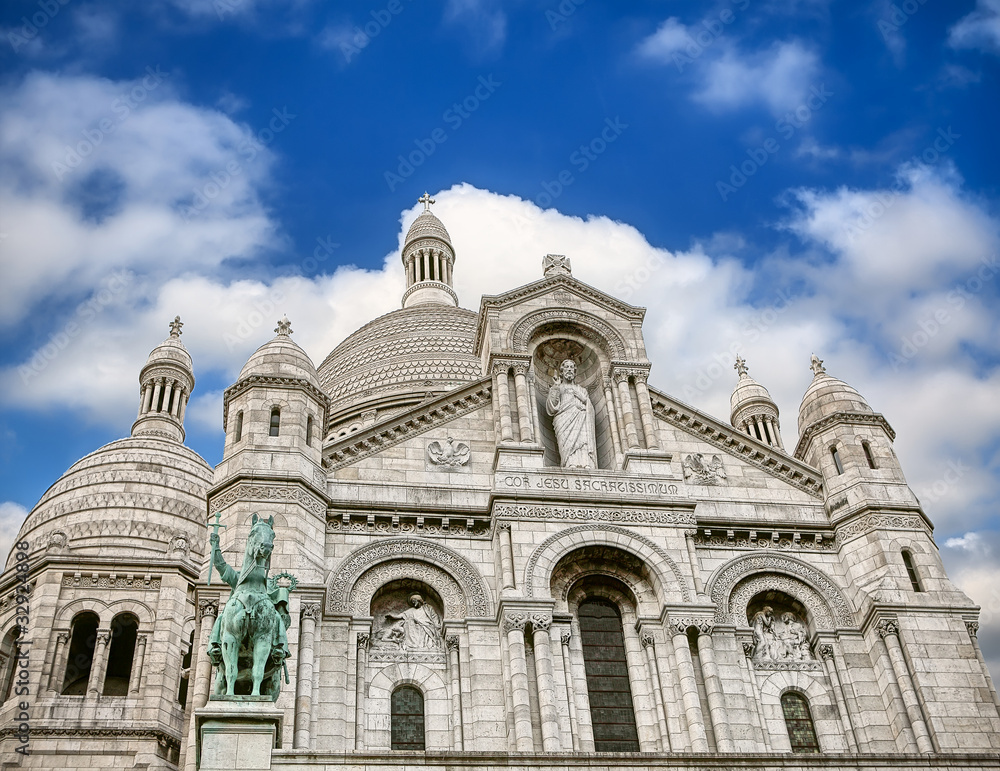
[402, 358]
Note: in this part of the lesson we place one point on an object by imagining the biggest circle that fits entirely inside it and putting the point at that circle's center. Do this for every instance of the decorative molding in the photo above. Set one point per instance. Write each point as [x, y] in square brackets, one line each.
[844, 416]
[263, 492]
[748, 539]
[623, 370]
[101, 501]
[134, 733]
[880, 521]
[697, 472]
[272, 381]
[354, 565]
[401, 524]
[406, 657]
[681, 625]
[749, 588]
[410, 424]
[738, 444]
[451, 456]
[591, 531]
[110, 581]
[788, 666]
[589, 514]
[441, 581]
[586, 324]
[725, 580]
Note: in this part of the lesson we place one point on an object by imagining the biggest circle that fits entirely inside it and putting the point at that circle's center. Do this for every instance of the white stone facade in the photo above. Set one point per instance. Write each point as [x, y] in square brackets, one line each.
[732, 580]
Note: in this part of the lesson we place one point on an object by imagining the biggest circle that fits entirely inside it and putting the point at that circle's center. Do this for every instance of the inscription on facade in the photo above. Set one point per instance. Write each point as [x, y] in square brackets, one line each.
[651, 488]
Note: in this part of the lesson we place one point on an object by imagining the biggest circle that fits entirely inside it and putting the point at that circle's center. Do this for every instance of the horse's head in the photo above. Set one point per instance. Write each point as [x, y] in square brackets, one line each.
[260, 543]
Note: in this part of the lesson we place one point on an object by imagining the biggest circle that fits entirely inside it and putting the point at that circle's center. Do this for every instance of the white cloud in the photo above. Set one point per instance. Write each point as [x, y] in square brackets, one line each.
[11, 517]
[483, 22]
[726, 77]
[979, 29]
[971, 542]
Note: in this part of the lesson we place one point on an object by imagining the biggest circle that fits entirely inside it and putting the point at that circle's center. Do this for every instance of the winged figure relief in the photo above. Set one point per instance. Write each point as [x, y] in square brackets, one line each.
[451, 454]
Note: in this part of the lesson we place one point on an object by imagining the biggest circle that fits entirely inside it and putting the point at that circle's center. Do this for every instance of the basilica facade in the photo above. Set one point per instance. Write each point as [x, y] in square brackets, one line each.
[496, 544]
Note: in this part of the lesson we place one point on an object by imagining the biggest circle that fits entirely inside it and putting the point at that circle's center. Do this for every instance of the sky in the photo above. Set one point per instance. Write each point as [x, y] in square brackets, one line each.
[773, 178]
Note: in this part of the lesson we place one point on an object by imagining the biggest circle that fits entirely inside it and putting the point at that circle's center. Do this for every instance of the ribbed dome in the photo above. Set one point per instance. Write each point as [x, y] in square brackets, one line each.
[825, 396]
[748, 391]
[407, 352]
[134, 498]
[280, 357]
[171, 350]
[426, 226]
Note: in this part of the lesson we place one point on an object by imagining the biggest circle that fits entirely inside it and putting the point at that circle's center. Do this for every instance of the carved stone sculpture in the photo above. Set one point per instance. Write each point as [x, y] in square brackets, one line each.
[572, 419]
[414, 629]
[782, 639]
[453, 454]
[699, 472]
[248, 640]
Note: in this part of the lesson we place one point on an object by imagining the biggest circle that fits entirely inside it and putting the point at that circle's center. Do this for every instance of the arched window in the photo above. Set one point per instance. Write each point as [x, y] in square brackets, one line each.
[611, 709]
[836, 460]
[868, 454]
[81, 654]
[238, 432]
[275, 421]
[407, 718]
[8, 662]
[911, 571]
[124, 631]
[799, 723]
[309, 430]
[182, 689]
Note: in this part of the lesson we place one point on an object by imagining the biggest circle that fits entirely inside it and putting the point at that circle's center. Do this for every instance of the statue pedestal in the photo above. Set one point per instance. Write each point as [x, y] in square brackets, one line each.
[238, 733]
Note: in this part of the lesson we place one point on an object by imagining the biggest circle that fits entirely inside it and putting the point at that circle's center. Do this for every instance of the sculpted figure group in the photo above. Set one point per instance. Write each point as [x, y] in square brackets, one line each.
[781, 639]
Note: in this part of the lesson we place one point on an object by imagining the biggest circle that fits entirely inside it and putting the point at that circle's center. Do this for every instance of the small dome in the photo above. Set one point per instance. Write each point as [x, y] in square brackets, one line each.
[749, 393]
[281, 357]
[171, 350]
[426, 226]
[827, 395]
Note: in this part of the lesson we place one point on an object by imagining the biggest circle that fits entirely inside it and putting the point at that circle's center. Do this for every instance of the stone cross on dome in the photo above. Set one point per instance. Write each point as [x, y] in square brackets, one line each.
[426, 200]
[175, 326]
[284, 327]
[816, 365]
[741, 366]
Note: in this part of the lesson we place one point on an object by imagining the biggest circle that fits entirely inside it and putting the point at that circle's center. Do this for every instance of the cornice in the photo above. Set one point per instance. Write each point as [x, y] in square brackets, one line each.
[271, 381]
[398, 428]
[738, 444]
[844, 416]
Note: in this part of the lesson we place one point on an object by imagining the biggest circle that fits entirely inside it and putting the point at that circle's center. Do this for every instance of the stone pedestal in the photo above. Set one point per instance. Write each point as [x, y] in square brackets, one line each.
[238, 734]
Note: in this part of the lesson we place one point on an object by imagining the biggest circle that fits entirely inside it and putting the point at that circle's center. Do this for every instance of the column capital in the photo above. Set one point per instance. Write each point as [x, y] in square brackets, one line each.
[540, 621]
[141, 639]
[104, 637]
[565, 637]
[503, 525]
[681, 625]
[310, 610]
[647, 640]
[452, 642]
[972, 627]
[623, 370]
[513, 621]
[503, 362]
[62, 637]
[748, 649]
[887, 627]
[364, 639]
[826, 652]
[208, 607]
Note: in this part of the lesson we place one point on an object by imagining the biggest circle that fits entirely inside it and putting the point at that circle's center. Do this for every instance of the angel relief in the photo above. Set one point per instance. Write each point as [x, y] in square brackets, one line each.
[452, 454]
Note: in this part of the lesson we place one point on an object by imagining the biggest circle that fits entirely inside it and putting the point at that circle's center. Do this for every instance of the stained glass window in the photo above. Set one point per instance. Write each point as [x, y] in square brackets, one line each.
[407, 718]
[799, 723]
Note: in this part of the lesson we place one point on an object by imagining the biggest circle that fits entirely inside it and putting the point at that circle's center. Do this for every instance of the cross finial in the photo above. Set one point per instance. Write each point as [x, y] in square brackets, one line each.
[740, 366]
[284, 327]
[426, 200]
[816, 365]
[175, 326]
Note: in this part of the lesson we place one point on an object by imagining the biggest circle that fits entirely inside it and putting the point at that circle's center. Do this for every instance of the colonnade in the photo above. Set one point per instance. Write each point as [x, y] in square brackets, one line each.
[429, 264]
[764, 427]
[174, 400]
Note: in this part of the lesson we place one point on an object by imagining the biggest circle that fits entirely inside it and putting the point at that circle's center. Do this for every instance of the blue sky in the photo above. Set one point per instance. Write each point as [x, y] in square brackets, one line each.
[779, 176]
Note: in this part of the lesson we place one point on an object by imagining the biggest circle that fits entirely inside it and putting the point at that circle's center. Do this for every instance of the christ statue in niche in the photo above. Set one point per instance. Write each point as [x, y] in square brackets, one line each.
[572, 419]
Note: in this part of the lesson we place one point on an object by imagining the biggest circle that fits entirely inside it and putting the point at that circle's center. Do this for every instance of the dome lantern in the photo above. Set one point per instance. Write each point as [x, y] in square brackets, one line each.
[428, 258]
[166, 382]
[753, 410]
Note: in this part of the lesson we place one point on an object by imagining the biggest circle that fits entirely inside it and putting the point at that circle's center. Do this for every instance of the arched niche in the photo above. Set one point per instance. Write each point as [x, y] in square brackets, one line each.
[592, 567]
[551, 346]
[407, 615]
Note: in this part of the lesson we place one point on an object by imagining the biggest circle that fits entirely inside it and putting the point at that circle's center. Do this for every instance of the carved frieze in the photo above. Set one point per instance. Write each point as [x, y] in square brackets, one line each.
[259, 492]
[880, 521]
[110, 581]
[591, 514]
[586, 324]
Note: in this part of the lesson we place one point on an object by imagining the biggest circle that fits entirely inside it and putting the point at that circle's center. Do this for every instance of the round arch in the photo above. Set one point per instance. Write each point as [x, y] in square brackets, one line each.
[588, 325]
[459, 570]
[664, 573]
[437, 704]
[441, 581]
[811, 586]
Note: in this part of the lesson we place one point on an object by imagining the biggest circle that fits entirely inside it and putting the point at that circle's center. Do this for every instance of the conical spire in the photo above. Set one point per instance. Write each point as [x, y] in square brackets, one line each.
[428, 258]
[166, 382]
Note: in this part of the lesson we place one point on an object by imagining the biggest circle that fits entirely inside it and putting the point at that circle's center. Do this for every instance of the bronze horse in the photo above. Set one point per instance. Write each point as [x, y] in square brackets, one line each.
[250, 627]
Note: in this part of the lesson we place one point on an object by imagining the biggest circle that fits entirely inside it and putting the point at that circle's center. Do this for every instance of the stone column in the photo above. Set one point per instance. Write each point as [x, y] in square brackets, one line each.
[753, 695]
[175, 405]
[713, 689]
[646, 414]
[613, 420]
[826, 653]
[200, 678]
[546, 683]
[524, 420]
[362, 675]
[513, 625]
[693, 559]
[304, 675]
[503, 402]
[180, 412]
[973, 629]
[147, 397]
[584, 724]
[572, 731]
[889, 632]
[99, 663]
[506, 555]
[137, 660]
[157, 385]
[689, 688]
[58, 672]
[168, 392]
[656, 688]
[409, 273]
[776, 434]
[626, 400]
[425, 254]
[456, 692]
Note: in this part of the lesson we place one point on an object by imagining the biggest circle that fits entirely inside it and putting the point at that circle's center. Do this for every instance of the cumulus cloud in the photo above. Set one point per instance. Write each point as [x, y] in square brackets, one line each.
[11, 516]
[726, 77]
[979, 29]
